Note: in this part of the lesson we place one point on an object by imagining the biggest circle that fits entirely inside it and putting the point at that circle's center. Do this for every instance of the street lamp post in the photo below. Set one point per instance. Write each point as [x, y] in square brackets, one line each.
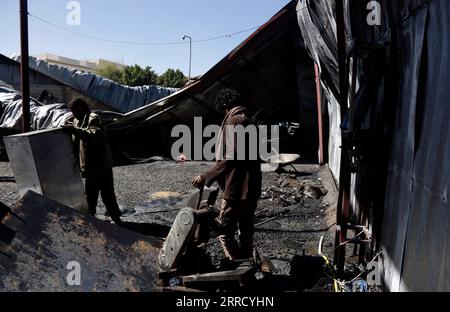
[190, 55]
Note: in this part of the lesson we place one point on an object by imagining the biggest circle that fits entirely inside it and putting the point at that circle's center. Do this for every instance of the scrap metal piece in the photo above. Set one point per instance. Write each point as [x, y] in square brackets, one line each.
[6, 234]
[208, 196]
[110, 258]
[5, 210]
[264, 263]
[178, 239]
[181, 289]
[240, 275]
[44, 162]
[283, 159]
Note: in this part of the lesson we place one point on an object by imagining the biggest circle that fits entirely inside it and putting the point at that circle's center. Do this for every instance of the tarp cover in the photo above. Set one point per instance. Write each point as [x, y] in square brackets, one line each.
[119, 97]
[318, 27]
[41, 116]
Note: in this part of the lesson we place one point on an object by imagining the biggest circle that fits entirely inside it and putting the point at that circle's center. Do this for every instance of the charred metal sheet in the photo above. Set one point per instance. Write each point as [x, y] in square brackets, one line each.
[110, 258]
[44, 162]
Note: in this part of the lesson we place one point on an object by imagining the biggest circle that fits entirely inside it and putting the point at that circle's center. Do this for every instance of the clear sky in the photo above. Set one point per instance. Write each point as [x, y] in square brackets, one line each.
[154, 21]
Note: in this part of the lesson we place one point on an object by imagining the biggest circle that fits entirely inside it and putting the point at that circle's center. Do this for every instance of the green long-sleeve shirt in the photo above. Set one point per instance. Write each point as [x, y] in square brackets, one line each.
[93, 149]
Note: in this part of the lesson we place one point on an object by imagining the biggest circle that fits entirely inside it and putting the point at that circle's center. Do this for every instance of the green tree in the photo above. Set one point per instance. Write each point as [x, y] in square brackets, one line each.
[134, 76]
[172, 78]
[111, 72]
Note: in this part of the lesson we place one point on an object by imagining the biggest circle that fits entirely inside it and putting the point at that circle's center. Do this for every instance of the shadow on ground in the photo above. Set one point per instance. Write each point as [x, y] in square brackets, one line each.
[155, 230]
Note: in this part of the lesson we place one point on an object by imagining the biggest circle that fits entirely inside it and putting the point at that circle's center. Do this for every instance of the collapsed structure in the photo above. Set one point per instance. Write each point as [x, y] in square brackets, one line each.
[271, 67]
[382, 104]
[118, 97]
[58, 86]
[273, 71]
[43, 116]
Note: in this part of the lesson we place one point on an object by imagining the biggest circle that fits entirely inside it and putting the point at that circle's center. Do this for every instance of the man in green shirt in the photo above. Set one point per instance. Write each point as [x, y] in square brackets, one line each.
[95, 158]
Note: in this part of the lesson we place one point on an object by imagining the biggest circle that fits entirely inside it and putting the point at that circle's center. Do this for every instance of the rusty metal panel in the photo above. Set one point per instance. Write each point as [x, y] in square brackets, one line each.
[44, 162]
[111, 258]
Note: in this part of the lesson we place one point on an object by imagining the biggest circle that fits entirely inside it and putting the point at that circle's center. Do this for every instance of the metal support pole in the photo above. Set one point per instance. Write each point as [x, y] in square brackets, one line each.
[319, 114]
[190, 55]
[25, 79]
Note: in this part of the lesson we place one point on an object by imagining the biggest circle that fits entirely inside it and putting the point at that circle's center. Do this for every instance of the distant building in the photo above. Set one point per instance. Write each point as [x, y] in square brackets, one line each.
[90, 66]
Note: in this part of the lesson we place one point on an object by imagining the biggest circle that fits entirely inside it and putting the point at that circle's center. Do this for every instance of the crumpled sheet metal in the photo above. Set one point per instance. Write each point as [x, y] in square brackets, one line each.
[317, 23]
[41, 116]
[111, 258]
[119, 97]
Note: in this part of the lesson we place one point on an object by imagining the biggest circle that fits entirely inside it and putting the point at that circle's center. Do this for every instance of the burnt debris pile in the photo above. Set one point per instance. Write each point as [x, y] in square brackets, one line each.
[289, 189]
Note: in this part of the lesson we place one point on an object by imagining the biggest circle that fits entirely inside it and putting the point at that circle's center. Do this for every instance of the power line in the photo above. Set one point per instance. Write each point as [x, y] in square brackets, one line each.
[139, 43]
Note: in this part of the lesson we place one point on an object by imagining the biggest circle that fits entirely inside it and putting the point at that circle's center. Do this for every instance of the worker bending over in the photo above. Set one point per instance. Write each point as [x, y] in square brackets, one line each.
[95, 158]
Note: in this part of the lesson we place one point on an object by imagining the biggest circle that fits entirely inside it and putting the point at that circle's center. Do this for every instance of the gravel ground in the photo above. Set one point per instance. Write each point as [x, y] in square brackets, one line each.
[8, 190]
[288, 225]
[134, 185]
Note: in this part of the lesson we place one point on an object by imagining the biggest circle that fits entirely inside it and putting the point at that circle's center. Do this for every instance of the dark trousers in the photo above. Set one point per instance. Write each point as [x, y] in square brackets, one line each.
[103, 183]
[237, 215]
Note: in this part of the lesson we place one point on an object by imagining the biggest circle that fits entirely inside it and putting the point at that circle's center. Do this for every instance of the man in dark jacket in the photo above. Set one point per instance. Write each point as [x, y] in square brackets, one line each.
[95, 158]
[239, 179]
